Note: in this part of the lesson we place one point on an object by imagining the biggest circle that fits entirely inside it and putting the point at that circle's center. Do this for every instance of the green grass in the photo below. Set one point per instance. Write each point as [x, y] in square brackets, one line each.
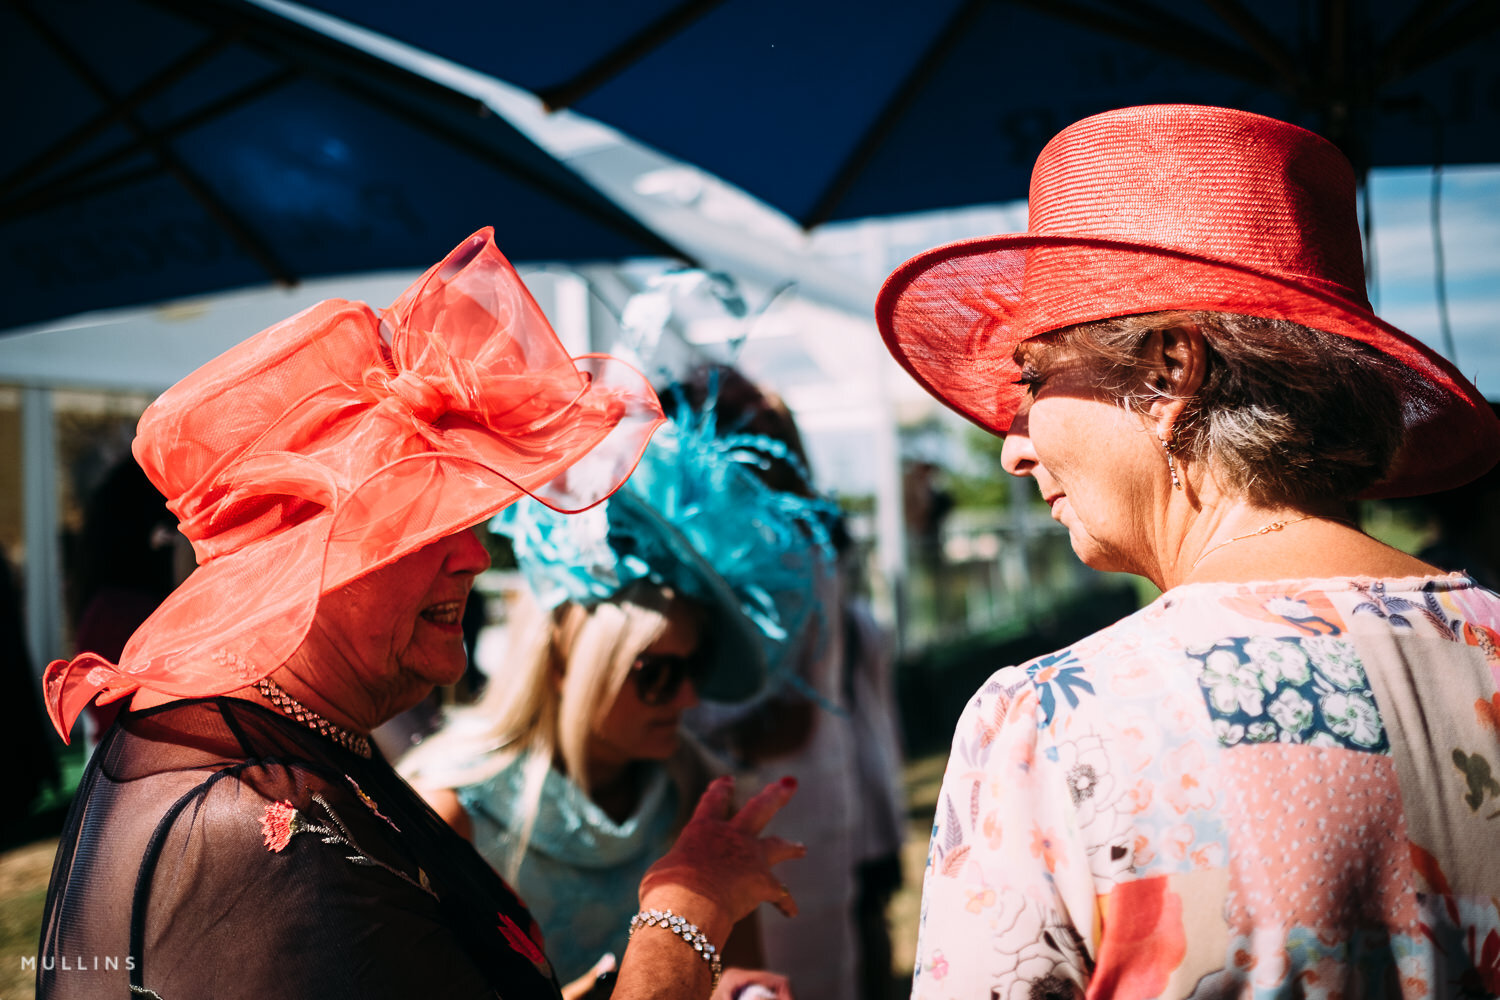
[26, 851]
[20, 931]
[923, 781]
[23, 891]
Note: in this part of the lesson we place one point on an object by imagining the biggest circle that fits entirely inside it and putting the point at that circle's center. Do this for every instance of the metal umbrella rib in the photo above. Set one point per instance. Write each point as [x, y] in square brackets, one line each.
[830, 111]
[629, 52]
[353, 72]
[179, 148]
[74, 185]
[891, 113]
[116, 111]
[184, 175]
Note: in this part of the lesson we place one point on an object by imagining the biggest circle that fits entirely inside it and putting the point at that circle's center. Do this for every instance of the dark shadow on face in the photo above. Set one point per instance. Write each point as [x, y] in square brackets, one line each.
[1054, 369]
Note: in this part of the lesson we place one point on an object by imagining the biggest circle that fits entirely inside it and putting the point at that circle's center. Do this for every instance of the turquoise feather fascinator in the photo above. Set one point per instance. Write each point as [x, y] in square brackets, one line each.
[697, 517]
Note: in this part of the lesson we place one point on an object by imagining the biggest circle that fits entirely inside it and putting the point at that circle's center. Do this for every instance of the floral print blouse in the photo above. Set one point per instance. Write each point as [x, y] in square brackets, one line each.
[1241, 790]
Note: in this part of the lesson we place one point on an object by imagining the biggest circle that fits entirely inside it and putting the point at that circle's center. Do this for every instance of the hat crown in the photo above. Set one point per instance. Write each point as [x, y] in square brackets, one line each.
[1213, 183]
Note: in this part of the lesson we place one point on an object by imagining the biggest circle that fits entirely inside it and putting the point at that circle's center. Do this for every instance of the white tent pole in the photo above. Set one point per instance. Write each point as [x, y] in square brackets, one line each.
[40, 518]
[890, 518]
[571, 315]
[890, 525]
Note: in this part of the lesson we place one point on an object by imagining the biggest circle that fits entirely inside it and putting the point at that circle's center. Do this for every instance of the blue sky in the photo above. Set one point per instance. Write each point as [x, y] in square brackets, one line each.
[1404, 288]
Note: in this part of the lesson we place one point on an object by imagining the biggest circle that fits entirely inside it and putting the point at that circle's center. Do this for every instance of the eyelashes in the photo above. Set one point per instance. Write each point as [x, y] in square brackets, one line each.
[1030, 378]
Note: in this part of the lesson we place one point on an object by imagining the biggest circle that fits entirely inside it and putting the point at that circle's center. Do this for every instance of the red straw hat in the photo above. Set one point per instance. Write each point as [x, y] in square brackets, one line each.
[1174, 207]
[344, 438]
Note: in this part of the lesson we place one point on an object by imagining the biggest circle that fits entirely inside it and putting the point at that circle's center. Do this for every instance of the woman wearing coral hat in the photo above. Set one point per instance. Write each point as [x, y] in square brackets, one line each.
[235, 833]
[1276, 778]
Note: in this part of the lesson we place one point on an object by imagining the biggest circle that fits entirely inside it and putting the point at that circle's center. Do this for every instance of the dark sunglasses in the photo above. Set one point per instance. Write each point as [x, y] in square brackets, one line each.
[658, 677]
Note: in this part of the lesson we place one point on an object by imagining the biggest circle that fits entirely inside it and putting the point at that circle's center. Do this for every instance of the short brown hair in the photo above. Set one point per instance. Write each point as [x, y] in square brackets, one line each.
[1290, 414]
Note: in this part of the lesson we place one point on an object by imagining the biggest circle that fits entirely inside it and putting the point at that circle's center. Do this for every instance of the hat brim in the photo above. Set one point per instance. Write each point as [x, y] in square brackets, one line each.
[737, 656]
[954, 315]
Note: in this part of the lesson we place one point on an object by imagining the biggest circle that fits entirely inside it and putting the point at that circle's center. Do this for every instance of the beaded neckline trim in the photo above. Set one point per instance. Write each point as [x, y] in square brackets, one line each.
[300, 713]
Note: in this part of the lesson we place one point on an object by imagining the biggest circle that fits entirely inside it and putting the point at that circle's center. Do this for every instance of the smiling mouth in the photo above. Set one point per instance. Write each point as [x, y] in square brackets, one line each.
[446, 613]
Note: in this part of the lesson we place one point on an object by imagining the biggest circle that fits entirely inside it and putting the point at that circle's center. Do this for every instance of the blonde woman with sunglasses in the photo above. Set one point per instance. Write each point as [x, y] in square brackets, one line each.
[574, 776]
[573, 773]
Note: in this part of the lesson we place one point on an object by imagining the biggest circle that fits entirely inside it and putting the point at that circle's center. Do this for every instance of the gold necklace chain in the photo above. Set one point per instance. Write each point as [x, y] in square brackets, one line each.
[298, 712]
[1262, 530]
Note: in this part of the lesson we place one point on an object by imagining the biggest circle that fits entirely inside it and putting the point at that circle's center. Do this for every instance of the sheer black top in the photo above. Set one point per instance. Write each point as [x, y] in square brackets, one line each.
[216, 849]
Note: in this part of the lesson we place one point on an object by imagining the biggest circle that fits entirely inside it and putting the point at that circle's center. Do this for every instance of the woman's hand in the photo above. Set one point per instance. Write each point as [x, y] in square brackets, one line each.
[720, 868]
[753, 984]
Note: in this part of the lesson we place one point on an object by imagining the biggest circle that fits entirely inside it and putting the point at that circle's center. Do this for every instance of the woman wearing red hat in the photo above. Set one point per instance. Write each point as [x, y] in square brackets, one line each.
[1279, 778]
[235, 833]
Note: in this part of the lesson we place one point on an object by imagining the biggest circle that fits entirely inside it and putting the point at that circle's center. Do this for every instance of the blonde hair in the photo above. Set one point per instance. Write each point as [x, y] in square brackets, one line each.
[526, 711]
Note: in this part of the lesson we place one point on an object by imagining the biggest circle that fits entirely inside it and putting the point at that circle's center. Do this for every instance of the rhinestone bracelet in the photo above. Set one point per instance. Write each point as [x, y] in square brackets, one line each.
[679, 925]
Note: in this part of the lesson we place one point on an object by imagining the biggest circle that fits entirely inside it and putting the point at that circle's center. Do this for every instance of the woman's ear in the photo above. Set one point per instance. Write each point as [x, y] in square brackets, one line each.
[1176, 361]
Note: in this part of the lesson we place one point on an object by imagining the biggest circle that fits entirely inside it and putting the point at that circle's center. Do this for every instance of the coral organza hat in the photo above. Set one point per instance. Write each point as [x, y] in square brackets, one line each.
[1175, 207]
[345, 438]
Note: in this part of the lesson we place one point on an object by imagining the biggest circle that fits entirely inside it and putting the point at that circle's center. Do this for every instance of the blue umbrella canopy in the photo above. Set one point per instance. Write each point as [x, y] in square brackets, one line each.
[835, 110]
[163, 148]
